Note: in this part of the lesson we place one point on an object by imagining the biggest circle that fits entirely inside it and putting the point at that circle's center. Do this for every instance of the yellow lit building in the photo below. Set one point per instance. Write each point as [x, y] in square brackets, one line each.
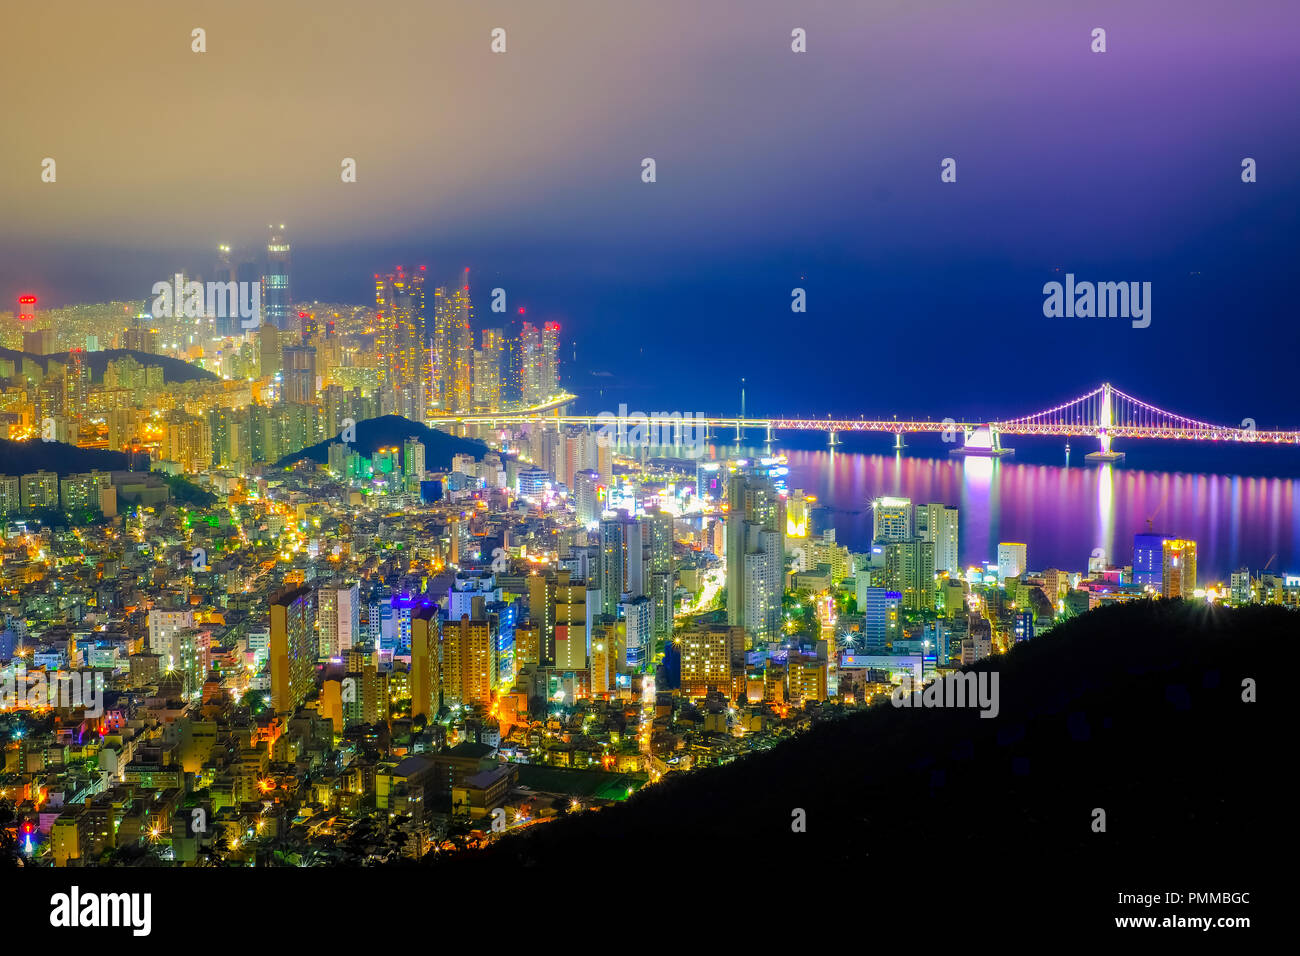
[426, 677]
[292, 652]
[711, 659]
[1178, 568]
[467, 660]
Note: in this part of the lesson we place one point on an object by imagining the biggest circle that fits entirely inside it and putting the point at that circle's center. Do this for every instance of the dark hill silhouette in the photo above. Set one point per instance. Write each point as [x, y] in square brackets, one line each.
[376, 433]
[917, 813]
[174, 370]
[26, 457]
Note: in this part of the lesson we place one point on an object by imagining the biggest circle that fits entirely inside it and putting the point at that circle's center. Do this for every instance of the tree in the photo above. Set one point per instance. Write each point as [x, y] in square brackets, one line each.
[9, 856]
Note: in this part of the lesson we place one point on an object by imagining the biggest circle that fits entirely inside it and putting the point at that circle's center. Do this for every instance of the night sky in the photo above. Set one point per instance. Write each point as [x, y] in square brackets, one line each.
[775, 170]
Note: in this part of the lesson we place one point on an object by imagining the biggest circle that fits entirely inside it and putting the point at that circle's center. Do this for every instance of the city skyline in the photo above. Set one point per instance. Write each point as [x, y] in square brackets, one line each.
[843, 198]
[708, 453]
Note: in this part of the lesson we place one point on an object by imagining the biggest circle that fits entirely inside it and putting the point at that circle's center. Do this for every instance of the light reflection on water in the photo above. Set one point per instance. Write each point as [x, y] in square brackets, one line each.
[1064, 513]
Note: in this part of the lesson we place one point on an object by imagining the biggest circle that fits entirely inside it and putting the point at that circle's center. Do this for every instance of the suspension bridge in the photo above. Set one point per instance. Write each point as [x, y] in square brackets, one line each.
[1105, 413]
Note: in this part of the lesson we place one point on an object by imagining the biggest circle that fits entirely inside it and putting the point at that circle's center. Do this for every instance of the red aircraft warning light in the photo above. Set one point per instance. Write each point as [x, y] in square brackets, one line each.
[26, 308]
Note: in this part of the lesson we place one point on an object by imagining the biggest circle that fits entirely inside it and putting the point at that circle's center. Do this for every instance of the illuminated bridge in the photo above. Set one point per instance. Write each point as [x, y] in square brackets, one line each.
[1105, 413]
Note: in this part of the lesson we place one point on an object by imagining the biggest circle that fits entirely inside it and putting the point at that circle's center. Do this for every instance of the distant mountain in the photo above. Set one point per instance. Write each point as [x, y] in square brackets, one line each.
[376, 433]
[174, 370]
[25, 457]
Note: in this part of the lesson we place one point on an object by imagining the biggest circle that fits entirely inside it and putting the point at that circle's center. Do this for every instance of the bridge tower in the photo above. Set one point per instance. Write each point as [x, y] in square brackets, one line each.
[1105, 419]
[982, 441]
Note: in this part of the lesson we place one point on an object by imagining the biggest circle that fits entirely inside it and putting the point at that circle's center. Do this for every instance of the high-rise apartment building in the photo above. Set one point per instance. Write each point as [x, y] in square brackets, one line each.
[40, 490]
[339, 617]
[426, 677]
[637, 615]
[909, 570]
[620, 559]
[298, 374]
[880, 610]
[1178, 568]
[76, 385]
[530, 365]
[292, 649]
[401, 345]
[164, 630]
[452, 347]
[713, 658]
[550, 372]
[467, 662]
[413, 465]
[1148, 559]
[557, 605]
[892, 520]
[755, 555]
[570, 623]
[588, 497]
[1011, 559]
[487, 371]
[937, 523]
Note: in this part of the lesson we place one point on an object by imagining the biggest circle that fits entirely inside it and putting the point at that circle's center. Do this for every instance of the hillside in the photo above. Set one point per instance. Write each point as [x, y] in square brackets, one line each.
[174, 370]
[23, 458]
[376, 433]
[1134, 709]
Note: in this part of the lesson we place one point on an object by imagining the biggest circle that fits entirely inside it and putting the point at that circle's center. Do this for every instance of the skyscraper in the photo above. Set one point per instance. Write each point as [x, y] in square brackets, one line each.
[461, 339]
[550, 371]
[530, 365]
[400, 332]
[76, 379]
[276, 287]
[614, 560]
[755, 555]
[487, 372]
